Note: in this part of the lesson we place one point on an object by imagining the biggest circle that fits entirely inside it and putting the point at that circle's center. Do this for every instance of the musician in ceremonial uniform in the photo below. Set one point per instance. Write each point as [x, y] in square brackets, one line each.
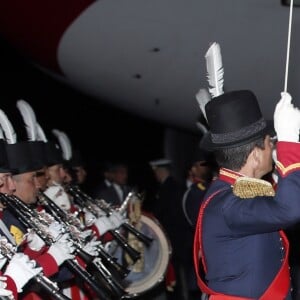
[20, 269]
[24, 166]
[239, 244]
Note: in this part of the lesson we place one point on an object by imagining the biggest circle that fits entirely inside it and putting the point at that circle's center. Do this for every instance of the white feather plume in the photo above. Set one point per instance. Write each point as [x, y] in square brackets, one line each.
[64, 142]
[9, 132]
[41, 136]
[1, 134]
[215, 71]
[203, 98]
[29, 119]
[202, 127]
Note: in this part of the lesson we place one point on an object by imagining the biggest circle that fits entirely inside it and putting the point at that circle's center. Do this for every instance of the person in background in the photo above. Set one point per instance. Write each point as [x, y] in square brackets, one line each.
[202, 171]
[116, 193]
[167, 208]
[105, 180]
[78, 165]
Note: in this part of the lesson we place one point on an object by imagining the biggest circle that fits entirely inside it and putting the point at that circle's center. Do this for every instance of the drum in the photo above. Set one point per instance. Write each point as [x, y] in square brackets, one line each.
[150, 269]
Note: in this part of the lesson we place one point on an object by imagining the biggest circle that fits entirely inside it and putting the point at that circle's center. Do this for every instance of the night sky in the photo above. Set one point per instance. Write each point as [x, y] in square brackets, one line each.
[99, 131]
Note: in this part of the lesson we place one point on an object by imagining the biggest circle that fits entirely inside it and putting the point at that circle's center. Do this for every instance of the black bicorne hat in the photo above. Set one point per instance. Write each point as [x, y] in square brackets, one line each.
[234, 119]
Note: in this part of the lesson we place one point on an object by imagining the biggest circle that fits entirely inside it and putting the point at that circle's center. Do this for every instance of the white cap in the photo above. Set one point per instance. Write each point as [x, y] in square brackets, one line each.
[160, 162]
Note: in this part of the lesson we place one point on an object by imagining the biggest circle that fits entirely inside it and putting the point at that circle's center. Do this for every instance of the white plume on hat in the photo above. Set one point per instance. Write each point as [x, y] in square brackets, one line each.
[41, 134]
[64, 142]
[215, 71]
[203, 98]
[9, 132]
[29, 119]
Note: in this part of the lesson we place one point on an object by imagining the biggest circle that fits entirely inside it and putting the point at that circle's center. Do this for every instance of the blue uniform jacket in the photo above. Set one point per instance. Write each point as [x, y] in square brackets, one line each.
[241, 243]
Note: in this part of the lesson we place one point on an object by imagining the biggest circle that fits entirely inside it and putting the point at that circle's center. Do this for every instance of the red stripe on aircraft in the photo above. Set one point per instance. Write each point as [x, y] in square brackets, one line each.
[35, 26]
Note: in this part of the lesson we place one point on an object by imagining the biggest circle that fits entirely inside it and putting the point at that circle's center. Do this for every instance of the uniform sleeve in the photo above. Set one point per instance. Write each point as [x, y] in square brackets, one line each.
[263, 214]
[48, 263]
[12, 287]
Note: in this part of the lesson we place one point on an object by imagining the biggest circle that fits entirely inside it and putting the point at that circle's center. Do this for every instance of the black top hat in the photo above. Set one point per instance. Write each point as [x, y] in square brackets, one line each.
[234, 119]
[76, 159]
[53, 154]
[37, 149]
[4, 164]
[21, 158]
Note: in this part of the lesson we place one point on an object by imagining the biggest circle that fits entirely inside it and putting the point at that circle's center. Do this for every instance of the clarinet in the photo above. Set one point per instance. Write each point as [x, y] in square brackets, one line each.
[8, 250]
[58, 213]
[87, 258]
[108, 209]
[48, 239]
[61, 216]
[104, 206]
[135, 255]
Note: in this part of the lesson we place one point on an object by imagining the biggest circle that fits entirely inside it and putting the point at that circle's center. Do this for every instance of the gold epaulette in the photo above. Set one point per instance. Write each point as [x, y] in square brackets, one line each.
[246, 187]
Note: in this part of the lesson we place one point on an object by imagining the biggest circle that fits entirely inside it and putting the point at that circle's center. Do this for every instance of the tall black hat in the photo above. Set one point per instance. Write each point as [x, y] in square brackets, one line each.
[53, 154]
[4, 164]
[21, 158]
[76, 159]
[234, 119]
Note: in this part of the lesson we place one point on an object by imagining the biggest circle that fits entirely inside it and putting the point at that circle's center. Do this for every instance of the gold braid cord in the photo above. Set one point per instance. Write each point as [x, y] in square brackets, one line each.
[133, 241]
[246, 187]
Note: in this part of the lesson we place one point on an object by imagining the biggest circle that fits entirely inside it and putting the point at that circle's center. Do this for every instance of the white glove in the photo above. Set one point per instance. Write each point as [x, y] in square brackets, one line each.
[3, 260]
[55, 229]
[57, 194]
[3, 285]
[35, 243]
[85, 234]
[21, 270]
[104, 224]
[117, 219]
[89, 218]
[91, 247]
[286, 119]
[62, 249]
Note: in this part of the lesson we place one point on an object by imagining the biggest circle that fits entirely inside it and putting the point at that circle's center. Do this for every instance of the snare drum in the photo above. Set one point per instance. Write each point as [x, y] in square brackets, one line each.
[149, 271]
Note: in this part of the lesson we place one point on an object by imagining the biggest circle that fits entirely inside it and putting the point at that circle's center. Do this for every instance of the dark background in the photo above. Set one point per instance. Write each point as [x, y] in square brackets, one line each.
[99, 131]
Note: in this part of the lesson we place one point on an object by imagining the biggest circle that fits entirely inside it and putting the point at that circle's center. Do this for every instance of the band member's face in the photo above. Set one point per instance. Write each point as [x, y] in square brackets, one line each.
[56, 174]
[42, 178]
[81, 174]
[26, 188]
[7, 185]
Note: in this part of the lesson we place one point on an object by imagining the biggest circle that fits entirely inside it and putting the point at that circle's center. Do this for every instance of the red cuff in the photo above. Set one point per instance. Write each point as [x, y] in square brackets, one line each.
[48, 263]
[12, 287]
[288, 156]
[32, 253]
[95, 230]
